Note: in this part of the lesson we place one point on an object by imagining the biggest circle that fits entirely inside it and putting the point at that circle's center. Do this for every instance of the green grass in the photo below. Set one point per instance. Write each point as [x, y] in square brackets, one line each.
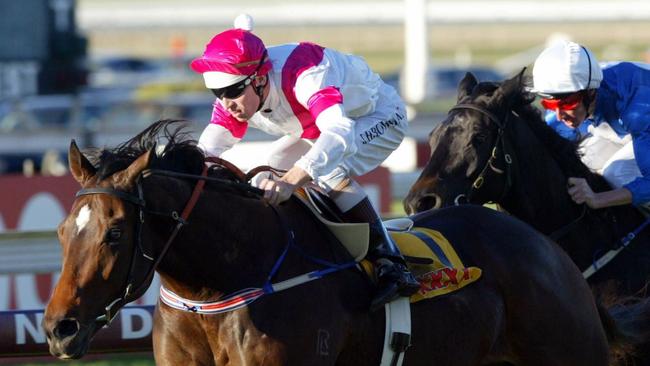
[112, 360]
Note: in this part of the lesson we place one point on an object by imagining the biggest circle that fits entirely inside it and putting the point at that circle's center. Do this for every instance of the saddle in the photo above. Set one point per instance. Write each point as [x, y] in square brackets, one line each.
[429, 255]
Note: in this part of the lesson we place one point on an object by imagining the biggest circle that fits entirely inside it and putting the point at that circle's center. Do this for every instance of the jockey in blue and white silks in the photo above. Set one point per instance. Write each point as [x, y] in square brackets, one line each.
[337, 119]
[615, 100]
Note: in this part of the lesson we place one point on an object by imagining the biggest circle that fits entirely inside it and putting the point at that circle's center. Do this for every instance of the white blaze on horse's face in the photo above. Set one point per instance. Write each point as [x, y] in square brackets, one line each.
[83, 218]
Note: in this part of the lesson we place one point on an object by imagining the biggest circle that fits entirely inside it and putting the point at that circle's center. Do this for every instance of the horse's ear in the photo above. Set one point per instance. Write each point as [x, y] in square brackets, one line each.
[466, 85]
[126, 178]
[80, 167]
[510, 92]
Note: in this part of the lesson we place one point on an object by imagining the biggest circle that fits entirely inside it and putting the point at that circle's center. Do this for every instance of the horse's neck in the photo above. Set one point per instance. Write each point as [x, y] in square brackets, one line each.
[538, 194]
[228, 244]
[539, 197]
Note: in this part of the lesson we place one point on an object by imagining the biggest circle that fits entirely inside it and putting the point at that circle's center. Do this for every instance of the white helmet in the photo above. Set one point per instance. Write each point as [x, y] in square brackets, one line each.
[565, 67]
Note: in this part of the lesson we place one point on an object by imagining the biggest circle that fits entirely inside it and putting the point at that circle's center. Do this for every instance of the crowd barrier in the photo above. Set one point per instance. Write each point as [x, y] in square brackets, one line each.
[22, 335]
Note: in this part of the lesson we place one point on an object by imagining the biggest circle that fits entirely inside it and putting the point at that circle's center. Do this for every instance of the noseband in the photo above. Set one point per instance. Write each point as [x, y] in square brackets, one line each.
[499, 142]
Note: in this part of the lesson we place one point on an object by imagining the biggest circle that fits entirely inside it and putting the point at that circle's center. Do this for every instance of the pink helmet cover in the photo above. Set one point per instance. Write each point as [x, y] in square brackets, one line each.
[235, 52]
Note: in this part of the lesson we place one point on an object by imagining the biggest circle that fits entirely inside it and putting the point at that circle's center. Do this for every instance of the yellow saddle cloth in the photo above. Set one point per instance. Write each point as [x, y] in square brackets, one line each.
[445, 274]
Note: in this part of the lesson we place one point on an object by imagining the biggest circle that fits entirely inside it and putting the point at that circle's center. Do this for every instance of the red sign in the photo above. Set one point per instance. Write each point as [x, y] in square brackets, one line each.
[35, 203]
[41, 203]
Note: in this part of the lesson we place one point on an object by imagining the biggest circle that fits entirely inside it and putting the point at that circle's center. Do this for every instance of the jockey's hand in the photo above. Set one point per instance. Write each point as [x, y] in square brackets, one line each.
[580, 192]
[276, 191]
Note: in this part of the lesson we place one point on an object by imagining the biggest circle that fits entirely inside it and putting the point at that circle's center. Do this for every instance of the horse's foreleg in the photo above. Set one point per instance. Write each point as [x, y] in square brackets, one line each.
[175, 342]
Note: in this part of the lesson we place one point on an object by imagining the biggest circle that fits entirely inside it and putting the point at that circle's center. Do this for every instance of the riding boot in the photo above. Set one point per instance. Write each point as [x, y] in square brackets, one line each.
[393, 276]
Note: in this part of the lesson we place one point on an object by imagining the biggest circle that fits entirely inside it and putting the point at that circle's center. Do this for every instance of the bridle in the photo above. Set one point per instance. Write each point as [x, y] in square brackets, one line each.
[501, 143]
[130, 289]
[146, 251]
[507, 158]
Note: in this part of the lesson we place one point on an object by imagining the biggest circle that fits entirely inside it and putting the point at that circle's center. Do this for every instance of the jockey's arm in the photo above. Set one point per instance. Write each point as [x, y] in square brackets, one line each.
[297, 177]
[335, 142]
[222, 132]
[639, 188]
[581, 192]
[215, 140]
[616, 197]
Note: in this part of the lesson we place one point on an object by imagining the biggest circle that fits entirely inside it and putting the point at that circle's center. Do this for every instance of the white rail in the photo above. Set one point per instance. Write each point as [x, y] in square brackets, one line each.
[29, 252]
[108, 14]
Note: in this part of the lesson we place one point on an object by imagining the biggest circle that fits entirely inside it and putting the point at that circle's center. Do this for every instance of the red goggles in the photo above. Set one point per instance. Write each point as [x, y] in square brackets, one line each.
[566, 103]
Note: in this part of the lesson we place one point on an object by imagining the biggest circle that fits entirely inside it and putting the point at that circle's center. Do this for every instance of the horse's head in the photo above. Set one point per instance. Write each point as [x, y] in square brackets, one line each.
[469, 158]
[97, 240]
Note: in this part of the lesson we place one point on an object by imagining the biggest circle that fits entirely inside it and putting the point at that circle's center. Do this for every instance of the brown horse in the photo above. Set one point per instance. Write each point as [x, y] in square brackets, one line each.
[137, 212]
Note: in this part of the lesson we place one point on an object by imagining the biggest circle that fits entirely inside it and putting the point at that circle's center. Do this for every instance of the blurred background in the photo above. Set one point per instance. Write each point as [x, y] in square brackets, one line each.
[99, 71]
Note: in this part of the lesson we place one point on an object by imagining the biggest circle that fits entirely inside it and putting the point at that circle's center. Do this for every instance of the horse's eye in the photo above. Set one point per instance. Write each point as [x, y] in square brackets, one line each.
[481, 137]
[113, 236]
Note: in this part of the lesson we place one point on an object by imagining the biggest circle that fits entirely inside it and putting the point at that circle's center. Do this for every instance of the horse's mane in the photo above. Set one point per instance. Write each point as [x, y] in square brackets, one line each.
[563, 151]
[180, 152]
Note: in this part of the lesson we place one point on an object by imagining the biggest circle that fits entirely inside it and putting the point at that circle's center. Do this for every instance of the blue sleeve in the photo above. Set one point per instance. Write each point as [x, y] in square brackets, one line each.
[640, 187]
[635, 110]
[634, 104]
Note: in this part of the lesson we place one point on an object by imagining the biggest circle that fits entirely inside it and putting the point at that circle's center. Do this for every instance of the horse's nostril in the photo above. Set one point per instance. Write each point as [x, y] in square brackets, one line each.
[429, 201]
[424, 205]
[66, 328]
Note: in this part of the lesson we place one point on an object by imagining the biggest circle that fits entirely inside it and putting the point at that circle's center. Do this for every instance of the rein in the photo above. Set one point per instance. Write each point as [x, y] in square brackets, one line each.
[607, 257]
[228, 303]
[244, 297]
[597, 263]
[480, 179]
[499, 142]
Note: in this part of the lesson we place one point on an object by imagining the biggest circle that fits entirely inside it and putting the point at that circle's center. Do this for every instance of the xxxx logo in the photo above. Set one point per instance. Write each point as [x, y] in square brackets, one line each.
[443, 278]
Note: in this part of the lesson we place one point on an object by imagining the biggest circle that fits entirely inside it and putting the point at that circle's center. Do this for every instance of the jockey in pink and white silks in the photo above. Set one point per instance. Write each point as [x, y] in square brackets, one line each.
[337, 120]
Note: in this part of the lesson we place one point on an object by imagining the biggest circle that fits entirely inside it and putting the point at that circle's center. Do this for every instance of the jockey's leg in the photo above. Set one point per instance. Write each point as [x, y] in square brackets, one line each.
[394, 278]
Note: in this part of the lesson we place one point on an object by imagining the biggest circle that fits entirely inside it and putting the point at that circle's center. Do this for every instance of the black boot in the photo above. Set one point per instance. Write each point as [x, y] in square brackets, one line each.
[393, 276]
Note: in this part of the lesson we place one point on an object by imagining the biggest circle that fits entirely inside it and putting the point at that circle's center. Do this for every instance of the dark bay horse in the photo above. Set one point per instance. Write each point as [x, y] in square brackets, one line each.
[137, 212]
[494, 146]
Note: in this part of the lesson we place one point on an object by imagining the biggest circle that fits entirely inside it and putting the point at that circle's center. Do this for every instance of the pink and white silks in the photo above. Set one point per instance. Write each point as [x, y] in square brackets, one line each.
[336, 116]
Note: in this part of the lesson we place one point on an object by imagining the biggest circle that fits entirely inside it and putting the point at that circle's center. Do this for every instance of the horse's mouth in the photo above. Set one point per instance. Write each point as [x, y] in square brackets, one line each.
[72, 356]
[74, 346]
[68, 351]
